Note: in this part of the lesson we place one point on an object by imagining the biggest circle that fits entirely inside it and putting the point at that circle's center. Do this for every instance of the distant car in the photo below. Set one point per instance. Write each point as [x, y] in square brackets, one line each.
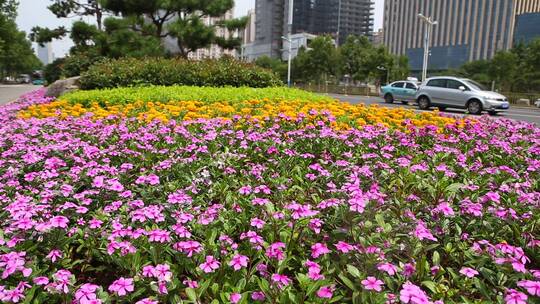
[38, 82]
[461, 93]
[537, 103]
[404, 91]
[23, 78]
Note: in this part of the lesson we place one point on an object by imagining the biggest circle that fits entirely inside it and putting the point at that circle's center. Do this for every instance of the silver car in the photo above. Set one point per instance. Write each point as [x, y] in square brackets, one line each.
[453, 92]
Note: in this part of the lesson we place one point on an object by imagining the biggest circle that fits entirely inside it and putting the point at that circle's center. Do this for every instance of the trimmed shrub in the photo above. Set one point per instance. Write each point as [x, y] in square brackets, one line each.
[129, 72]
[120, 96]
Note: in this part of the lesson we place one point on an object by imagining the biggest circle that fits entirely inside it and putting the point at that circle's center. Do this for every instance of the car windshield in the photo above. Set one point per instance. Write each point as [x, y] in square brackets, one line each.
[475, 85]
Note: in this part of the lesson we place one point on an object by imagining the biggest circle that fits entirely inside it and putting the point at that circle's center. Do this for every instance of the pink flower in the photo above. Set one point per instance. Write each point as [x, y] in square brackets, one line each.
[275, 251]
[258, 296]
[59, 221]
[235, 297]
[388, 268]
[163, 272]
[411, 293]
[86, 293]
[281, 280]
[54, 255]
[319, 249]
[533, 287]
[468, 272]
[344, 247]
[255, 222]
[41, 280]
[372, 283]
[238, 261]
[515, 297]
[122, 286]
[210, 264]
[147, 301]
[325, 292]
[190, 284]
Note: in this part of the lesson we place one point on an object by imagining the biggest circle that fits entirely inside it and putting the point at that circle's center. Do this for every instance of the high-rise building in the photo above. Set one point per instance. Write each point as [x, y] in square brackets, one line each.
[321, 17]
[378, 37]
[268, 28]
[45, 53]
[248, 37]
[467, 30]
[338, 18]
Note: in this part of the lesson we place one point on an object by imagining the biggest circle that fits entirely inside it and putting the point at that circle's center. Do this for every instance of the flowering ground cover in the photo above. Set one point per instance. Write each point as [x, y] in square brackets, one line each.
[187, 103]
[292, 210]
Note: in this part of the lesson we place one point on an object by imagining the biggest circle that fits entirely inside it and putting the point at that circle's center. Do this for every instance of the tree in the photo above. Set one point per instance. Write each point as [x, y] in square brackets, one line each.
[182, 20]
[502, 69]
[353, 55]
[318, 62]
[16, 54]
[276, 65]
[81, 8]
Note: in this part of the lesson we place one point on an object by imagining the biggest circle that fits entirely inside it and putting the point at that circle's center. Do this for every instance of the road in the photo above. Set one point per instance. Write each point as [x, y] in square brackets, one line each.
[516, 113]
[13, 91]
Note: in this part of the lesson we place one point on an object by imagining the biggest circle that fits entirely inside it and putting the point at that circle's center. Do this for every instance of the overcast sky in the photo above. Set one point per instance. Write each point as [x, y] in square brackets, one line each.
[35, 13]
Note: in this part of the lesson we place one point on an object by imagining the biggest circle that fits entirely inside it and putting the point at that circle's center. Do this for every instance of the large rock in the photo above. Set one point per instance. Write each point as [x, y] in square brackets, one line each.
[63, 86]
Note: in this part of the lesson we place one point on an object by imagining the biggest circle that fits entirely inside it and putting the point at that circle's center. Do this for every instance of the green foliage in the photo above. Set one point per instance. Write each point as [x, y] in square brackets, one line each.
[318, 62]
[205, 94]
[364, 62]
[43, 35]
[159, 71]
[182, 20]
[53, 71]
[517, 70]
[276, 65]
[74, 65]
[16, 54]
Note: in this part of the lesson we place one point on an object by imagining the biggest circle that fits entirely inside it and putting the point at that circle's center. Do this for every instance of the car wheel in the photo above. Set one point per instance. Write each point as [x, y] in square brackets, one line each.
[388, 98]
[475, 107]
[424, 103]
[404, 102]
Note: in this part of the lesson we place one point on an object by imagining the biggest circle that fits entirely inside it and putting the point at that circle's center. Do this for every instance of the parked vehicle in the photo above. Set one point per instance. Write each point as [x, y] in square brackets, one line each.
[38, 82]
[537, 103]
[461, 93]
[24, 78]
[404, 91]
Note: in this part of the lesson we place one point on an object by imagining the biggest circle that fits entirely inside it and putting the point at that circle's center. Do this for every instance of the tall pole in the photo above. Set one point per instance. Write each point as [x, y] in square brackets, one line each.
[338, 22]
[427, 39]
[289, 35]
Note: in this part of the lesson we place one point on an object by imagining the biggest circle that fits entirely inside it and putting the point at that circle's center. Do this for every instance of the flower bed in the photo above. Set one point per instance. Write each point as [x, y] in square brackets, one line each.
[187, 103]
[292, 211]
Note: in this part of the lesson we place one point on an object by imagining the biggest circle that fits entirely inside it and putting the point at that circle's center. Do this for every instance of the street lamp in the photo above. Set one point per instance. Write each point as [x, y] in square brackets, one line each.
[289, 39]
[429, 27]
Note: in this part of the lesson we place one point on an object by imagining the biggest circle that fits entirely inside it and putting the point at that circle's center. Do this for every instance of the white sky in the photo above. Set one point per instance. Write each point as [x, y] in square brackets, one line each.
[35, 13]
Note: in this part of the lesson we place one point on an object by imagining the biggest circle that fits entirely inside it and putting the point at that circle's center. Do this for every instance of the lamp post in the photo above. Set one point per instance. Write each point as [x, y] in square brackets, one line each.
[429, 27]
[289, 33]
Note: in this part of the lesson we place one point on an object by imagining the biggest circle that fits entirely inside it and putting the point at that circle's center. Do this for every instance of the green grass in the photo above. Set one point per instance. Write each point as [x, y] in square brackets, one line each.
[176, 93]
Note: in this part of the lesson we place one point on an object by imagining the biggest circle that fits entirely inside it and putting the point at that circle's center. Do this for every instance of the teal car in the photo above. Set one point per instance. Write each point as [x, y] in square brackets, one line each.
[38, 82]
[403, 91]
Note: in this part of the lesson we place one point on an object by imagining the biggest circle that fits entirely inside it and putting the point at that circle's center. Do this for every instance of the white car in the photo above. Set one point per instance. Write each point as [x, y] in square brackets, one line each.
[537, 103]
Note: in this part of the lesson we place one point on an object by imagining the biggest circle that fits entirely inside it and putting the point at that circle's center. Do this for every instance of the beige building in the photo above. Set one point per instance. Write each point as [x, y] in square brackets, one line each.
[467, 30]
[215, 51]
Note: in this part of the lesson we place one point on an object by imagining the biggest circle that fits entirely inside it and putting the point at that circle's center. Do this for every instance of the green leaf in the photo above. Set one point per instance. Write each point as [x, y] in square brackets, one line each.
[192, 295]
[347, 281]
[353, 271]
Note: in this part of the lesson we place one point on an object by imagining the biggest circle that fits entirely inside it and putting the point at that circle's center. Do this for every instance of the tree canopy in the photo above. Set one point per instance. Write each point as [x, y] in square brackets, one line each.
[16, 53]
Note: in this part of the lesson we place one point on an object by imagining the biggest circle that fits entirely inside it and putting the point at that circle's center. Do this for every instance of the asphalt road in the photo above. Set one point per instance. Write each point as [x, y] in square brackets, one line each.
[12, 91]
[517, 113]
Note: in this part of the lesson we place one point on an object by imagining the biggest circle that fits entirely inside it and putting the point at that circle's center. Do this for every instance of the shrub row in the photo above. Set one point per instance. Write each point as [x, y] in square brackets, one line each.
[129, 72]
[183, 93]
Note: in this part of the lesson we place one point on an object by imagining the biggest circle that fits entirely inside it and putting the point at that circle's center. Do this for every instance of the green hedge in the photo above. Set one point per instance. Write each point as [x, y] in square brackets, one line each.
[184, 93]
[129, 72]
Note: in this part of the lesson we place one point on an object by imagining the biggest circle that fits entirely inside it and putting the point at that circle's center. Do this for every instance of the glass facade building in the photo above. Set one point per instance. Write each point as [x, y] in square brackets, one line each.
[467, 30]
[320, 17]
